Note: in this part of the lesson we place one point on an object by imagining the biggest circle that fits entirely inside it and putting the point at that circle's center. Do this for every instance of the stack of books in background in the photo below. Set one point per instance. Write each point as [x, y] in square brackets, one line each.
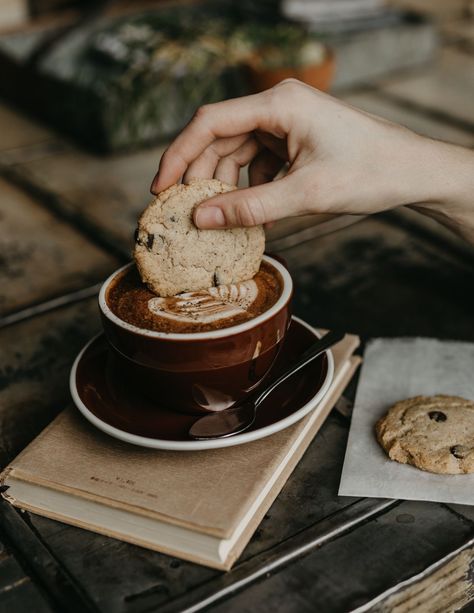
[341, 15]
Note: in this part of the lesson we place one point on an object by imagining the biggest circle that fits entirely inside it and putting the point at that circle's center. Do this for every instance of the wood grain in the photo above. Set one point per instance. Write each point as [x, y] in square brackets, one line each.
[41, 256]
[392, 547]
[445, 90]
[34, 366]
[410, 118]
[17, 590]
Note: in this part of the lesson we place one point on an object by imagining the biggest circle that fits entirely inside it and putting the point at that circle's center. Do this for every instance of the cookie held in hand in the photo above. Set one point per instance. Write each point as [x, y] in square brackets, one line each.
[173, 256]
[434, 433]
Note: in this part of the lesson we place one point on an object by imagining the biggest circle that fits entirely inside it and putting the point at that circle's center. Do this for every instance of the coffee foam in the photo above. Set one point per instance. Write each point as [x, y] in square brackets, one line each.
[214, 304]
[211, 305]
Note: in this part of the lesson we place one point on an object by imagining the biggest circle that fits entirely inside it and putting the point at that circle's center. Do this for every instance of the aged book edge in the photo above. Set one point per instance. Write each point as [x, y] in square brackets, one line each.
[243, 539]
[353, 365]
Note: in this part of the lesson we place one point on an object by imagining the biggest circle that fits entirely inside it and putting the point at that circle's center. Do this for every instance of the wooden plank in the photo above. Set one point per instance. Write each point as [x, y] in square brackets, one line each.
[21, 155]
[416, 121]
[66, 595]
[283, 554]
[17, 592]
[42, 256]
[104, 195]
[19, 131]
[108, 195]
[446, 586]
[34, 366]
[446, 89]
[377, 279]
[350, 570]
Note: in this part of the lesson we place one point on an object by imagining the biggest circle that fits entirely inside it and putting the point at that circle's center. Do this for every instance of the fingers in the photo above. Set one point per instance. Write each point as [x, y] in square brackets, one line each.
[264, 167]
[204, 166]
[221, 120]
[228, 168]
[252, 206]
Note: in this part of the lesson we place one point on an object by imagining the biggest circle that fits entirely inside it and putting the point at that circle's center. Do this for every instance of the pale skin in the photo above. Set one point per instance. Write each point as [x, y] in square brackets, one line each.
[339, 160]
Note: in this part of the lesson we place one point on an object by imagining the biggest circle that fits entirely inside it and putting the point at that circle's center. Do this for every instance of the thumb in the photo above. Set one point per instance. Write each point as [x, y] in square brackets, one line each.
[249, 207]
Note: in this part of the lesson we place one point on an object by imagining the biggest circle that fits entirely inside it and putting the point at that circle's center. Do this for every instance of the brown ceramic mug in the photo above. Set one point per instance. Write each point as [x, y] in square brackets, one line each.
[203, 371]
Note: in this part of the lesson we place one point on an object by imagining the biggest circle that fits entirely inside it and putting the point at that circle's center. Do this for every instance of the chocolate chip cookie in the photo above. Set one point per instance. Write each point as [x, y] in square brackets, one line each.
[174, 256]
[434, 433]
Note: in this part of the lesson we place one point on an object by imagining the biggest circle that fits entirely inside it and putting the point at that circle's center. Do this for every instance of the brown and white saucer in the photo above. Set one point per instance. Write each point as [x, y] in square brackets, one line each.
[110, 405]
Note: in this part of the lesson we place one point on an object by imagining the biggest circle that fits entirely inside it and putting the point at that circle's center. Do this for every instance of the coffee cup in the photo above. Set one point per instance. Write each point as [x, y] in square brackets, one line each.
[198, 372]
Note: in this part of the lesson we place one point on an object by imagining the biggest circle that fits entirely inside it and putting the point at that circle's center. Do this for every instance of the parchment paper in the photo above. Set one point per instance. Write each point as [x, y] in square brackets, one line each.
[395, 369]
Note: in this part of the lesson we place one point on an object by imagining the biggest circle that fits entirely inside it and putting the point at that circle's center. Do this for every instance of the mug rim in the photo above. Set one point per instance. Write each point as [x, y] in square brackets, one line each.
[210, 334]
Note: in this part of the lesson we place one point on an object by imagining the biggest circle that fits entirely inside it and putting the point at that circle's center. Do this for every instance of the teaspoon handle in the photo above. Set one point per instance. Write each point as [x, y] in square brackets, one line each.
[328, 340]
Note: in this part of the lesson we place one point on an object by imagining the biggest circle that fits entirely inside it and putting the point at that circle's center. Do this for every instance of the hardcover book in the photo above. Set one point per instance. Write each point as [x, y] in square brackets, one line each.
[202, 506]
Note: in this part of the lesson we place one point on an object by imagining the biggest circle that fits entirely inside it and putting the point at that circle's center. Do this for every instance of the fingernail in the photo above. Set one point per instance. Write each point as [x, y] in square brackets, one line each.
[154, 186]
[210, 217]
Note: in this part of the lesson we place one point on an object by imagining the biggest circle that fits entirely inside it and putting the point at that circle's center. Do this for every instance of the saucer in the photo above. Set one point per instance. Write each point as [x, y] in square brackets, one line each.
[123, 413]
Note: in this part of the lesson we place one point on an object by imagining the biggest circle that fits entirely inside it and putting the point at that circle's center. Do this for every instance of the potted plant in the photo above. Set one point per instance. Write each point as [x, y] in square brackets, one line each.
[280, 51]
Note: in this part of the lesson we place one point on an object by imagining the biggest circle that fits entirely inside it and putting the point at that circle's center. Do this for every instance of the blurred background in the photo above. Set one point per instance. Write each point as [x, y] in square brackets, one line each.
[118, 74]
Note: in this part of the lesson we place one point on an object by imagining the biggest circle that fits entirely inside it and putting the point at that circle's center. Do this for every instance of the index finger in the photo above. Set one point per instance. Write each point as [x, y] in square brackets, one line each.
[222, 119]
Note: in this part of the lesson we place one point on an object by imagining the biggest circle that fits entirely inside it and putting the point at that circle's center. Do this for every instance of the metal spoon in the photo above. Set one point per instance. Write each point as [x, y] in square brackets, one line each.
[237, 419]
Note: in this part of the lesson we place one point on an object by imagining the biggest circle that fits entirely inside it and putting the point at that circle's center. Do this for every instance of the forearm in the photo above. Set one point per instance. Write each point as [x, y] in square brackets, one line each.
[443, 185]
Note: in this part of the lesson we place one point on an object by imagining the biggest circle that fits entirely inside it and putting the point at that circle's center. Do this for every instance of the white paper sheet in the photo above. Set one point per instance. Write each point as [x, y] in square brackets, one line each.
[395, 369]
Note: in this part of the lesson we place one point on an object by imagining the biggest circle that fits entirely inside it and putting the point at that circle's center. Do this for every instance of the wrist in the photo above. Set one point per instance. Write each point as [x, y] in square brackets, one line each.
[442, 185]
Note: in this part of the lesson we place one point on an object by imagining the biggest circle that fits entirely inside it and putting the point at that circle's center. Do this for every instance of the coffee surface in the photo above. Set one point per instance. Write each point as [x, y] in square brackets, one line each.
[212, 309]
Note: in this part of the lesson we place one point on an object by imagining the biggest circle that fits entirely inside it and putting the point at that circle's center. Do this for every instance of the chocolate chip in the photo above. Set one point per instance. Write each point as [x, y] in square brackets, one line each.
[437, 415]
[173, 218]
[150, 240]
[215, 281]
[458, 451]
[136, 236]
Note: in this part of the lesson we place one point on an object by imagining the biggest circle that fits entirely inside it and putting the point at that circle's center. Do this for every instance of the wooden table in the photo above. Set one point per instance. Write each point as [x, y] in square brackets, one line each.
[67, 220]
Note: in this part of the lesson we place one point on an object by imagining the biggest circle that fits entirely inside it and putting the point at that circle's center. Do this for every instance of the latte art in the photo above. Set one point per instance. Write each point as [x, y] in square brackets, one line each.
[218, 307]
[215, 304]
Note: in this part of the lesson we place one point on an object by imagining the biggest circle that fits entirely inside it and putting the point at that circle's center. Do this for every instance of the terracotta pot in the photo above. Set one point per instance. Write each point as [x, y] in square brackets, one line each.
[317, 75]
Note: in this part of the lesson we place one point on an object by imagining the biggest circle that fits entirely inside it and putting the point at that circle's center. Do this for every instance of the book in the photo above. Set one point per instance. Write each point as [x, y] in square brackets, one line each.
[201, 506]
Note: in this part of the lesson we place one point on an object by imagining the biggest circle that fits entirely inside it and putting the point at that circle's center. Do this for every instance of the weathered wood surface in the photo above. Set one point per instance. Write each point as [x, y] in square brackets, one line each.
[446, 90]
[20, 132]
[35, 359]
[377, 279]
[41, 256]
[108, 194]
[393, 274]
[389, 548]
[17, 590]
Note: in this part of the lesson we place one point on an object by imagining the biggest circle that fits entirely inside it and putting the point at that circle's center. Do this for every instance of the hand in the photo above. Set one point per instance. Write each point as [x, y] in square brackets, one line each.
[340, 159]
